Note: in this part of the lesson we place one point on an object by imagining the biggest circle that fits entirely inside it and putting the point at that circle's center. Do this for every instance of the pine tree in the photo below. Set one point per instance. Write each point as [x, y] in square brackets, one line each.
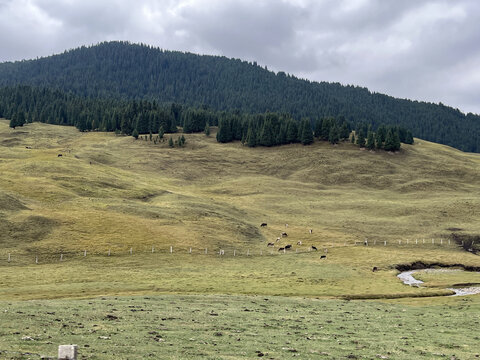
[392, 141]
[251, 136]
[361, 138]
[370, 141]
[170, 142]
[307, 134]
[353, 138]
[183, 140]
[207, 129]
[13, 122]
[151, 135]
[333, 135]
[161, 132]
[378, 140]
[135, 134]
[409, 138]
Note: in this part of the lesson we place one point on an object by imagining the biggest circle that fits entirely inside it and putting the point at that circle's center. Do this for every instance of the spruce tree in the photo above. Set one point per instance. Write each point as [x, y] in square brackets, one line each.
[135, 134]
[370, 141]
[378, 140]
[392, 141]
[333, 135]
[361, 138]
[13, 122]
[307, 134]
[251, 136]
[207, 129]
[161, 132]
[183, 140]
[170, 142]
[353, 138]
[409, 138]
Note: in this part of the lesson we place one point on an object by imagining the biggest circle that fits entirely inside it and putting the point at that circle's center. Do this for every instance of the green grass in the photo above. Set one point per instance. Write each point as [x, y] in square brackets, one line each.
[239, 327]
[113, 193]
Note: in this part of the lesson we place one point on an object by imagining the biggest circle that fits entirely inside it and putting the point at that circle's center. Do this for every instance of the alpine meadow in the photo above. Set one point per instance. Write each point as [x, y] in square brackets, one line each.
[167, 205]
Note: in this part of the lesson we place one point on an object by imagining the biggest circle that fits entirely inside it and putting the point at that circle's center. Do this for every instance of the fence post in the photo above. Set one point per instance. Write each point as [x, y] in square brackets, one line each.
[171, 249]
[248, 252]
[9, 257]
[190, 251]
[108, 252]
[206, 251]
[234, 252]
[36, 259]
[131, 251]
[61, 257]
[153, 249]
[385, 243]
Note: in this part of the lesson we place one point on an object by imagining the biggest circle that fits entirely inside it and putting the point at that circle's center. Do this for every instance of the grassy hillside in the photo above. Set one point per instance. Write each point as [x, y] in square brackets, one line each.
[114, 193]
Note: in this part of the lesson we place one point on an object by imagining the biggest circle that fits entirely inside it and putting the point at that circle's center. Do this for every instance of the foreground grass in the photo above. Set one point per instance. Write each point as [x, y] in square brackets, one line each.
[238, 327]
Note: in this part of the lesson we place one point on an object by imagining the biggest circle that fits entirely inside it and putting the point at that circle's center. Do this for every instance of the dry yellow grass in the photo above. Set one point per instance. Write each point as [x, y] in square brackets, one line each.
[114, 192]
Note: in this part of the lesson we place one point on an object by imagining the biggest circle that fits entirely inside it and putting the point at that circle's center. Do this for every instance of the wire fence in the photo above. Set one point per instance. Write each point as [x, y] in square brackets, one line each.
[35, 256]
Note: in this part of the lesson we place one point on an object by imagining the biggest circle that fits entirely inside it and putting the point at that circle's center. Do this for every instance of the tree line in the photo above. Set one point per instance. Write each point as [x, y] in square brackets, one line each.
[124, 71]
[25, 104]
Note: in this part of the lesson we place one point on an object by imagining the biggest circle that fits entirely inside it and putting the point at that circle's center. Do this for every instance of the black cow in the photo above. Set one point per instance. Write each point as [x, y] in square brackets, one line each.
[263, 224]
[288, 247]
[281, 249]
[284, 234]
[59, 155]
[374, 269]
[314, 248]
[270, 244]
[323, 256]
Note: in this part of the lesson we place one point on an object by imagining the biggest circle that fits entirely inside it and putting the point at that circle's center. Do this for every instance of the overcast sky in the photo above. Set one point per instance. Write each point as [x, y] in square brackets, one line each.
[426, 50]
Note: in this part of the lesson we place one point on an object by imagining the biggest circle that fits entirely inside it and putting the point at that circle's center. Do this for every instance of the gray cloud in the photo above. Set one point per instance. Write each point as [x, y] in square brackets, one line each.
[422, 50]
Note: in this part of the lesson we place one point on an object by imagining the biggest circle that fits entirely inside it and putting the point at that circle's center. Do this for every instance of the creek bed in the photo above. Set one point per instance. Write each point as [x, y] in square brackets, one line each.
[408, 279]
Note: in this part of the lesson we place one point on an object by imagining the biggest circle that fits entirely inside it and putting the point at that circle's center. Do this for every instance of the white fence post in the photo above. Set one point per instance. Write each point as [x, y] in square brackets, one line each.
[171, 249]
[190, 251]
[108, 252]
[9, 258]
[84, 253]
[61, 257]
[131, 251]
[153, 249]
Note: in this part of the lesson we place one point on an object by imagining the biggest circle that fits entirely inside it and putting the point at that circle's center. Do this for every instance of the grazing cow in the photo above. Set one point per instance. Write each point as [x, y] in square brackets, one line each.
[288, 247]
[299, 243]
[278, 239]
[270, 244]
[286, 225]
[314, 248]
[59, 155]
[281, 249]
[325, 251]
[263, 224]
[284, 234]
[27, 147]
[323, 256]
[365, 243]
[374, 269]
[311, 231]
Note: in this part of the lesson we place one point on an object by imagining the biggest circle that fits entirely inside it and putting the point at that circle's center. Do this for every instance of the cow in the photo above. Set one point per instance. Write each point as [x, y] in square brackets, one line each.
[299, 243]
[281, 249]
[314, 248]
[325, 251]
[374, 269]
[59, 155]
[278, 239]
[27, 147]
[270, 244]
[286, 225]
[288, 247]
[311, 231]
[323, 256]
[263, 224]
[284, 234]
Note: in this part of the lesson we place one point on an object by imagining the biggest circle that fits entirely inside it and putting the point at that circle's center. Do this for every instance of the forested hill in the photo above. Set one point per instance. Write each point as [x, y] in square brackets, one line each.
[120, 69]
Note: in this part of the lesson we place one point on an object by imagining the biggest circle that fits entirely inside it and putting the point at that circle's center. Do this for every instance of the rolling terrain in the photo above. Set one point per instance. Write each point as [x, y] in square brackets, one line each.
[114, 193]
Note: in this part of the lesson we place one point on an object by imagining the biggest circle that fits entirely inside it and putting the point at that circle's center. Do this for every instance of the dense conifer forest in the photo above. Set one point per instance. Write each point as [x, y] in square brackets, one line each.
[124, 71]
[24, 104]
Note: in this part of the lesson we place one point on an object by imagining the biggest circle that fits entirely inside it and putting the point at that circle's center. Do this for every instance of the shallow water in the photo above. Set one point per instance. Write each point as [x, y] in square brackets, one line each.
[408, 279]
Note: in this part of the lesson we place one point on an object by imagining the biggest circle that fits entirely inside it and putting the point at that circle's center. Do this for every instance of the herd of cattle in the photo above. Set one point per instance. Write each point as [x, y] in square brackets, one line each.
[289, 246]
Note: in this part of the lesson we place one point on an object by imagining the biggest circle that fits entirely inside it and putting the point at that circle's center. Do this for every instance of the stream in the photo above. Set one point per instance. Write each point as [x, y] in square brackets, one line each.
[408, 279]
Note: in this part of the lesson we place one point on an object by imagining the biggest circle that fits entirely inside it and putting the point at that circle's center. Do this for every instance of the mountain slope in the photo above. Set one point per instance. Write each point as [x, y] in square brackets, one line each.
[119, 69]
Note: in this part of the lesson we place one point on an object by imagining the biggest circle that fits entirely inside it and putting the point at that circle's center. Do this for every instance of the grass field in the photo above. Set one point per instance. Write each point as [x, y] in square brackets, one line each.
[115, 193]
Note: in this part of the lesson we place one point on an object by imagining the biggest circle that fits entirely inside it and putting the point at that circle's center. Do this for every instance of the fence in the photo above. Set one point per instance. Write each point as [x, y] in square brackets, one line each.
[38, 257]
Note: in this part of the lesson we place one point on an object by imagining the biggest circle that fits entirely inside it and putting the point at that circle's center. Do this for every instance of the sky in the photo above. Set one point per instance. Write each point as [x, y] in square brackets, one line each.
[425, 50]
